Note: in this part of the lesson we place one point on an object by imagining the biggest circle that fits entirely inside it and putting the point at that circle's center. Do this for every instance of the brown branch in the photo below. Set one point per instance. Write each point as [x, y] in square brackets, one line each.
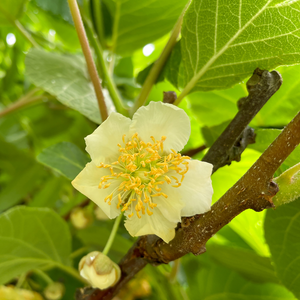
[194, 151]
[261, 87]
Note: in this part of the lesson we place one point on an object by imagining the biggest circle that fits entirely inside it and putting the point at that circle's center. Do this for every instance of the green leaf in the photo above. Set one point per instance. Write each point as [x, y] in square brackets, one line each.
[24, 174]
[247, 263]
[211, 134]
[282, 231]
[32, 238]
[215, 107]
[224, 42]
[65, 158]
[248, 224]
[209, 281]
[137, 23]
[65, 77]
[58, 8]
[11, 10]
[264, 137]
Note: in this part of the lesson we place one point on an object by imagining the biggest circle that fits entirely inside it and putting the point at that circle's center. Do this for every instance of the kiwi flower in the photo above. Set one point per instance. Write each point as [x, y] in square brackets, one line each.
[136, 169]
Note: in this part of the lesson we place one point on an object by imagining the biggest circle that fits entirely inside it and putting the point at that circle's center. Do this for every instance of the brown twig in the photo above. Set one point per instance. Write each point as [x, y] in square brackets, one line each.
[194, 151]
[261, 86]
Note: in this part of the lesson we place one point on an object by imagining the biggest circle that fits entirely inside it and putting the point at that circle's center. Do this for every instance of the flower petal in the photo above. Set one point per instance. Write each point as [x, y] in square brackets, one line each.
[154, 224]
[196, 189]
[161, 119]
[87, 182]
[102, 144]
[170, 207]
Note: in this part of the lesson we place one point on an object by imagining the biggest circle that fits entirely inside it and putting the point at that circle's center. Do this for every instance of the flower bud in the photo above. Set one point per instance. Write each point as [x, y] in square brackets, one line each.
[12, 293]
[54, 291]
[81, 218]
[99, 270]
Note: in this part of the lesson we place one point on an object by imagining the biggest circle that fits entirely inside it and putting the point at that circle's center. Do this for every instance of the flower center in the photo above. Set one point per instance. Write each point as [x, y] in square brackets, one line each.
[140, 171]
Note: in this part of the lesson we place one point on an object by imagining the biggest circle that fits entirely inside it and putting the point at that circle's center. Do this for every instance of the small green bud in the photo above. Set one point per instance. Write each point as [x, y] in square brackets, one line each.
[54, 291]
[99, 270]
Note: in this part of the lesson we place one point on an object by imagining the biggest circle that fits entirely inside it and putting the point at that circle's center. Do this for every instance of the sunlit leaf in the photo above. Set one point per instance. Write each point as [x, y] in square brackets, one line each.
[11, 10]
[224, 42]
[65, 77]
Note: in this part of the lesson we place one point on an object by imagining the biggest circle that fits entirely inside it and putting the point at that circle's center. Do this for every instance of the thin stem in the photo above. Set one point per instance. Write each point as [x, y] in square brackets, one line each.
[112, 235]
[19, 27]
[27, 99]
[43, 275]
[174, 271]
[159, 64]
[21, 280]
[98, 18]
[79, 251]
[88, 57]
[25, 34]
[73, 272]
[103, 69]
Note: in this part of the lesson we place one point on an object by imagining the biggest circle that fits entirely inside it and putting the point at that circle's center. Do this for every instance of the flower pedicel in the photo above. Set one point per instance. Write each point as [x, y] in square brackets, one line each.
[136, 169]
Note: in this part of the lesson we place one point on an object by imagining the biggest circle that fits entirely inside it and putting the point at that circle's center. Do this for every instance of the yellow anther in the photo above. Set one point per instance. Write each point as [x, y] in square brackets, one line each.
[157, 189]
[152, 138]
[163, 138]
[107, 185]
[143, 163]
[100, 185]
[156, 195]
[168, 180]
[129, 216]
[108, 197]
[152, 205]
[148, 161]
[123, 138]
[175, 179]
[178, 185]
[163, 194]
[149, 212]
[150, 150]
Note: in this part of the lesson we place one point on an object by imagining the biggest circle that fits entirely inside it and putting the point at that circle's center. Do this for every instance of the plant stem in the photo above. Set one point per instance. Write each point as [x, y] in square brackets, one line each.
[88, 57]
[43, 275]
[79, 251]
[103, 69]
[73, 272]
[21, 280]
[98, 18]
[174, 271]
[22, 102]
[159, 64]
[19, 27]
[112, 235]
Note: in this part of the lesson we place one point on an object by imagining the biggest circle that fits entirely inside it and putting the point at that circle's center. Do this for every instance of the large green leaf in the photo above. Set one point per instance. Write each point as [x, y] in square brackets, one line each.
[224, 41]
[252, 266]
[282, 230]
[65, 158]
[137, 23]
[11, 10]
[32, 238]
[209, 281]
[65, 77]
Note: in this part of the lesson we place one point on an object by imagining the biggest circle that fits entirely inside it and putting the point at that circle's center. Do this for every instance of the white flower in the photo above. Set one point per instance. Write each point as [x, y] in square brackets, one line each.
[136, 169]
[99, 270]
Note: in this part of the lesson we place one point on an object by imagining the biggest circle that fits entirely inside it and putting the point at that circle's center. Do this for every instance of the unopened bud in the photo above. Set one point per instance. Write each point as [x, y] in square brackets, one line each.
[99, 270]
[54, 291]
[81, 218]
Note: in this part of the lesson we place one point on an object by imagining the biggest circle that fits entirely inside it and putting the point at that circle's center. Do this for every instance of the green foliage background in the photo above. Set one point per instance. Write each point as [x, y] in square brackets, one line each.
[42, 141]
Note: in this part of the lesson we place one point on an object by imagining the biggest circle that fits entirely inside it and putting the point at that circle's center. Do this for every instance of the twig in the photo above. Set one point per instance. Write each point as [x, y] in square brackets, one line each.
[159, 64]
[27, 99]
[261, 86]
[88, 57]
[192, 152]
[115, 97]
